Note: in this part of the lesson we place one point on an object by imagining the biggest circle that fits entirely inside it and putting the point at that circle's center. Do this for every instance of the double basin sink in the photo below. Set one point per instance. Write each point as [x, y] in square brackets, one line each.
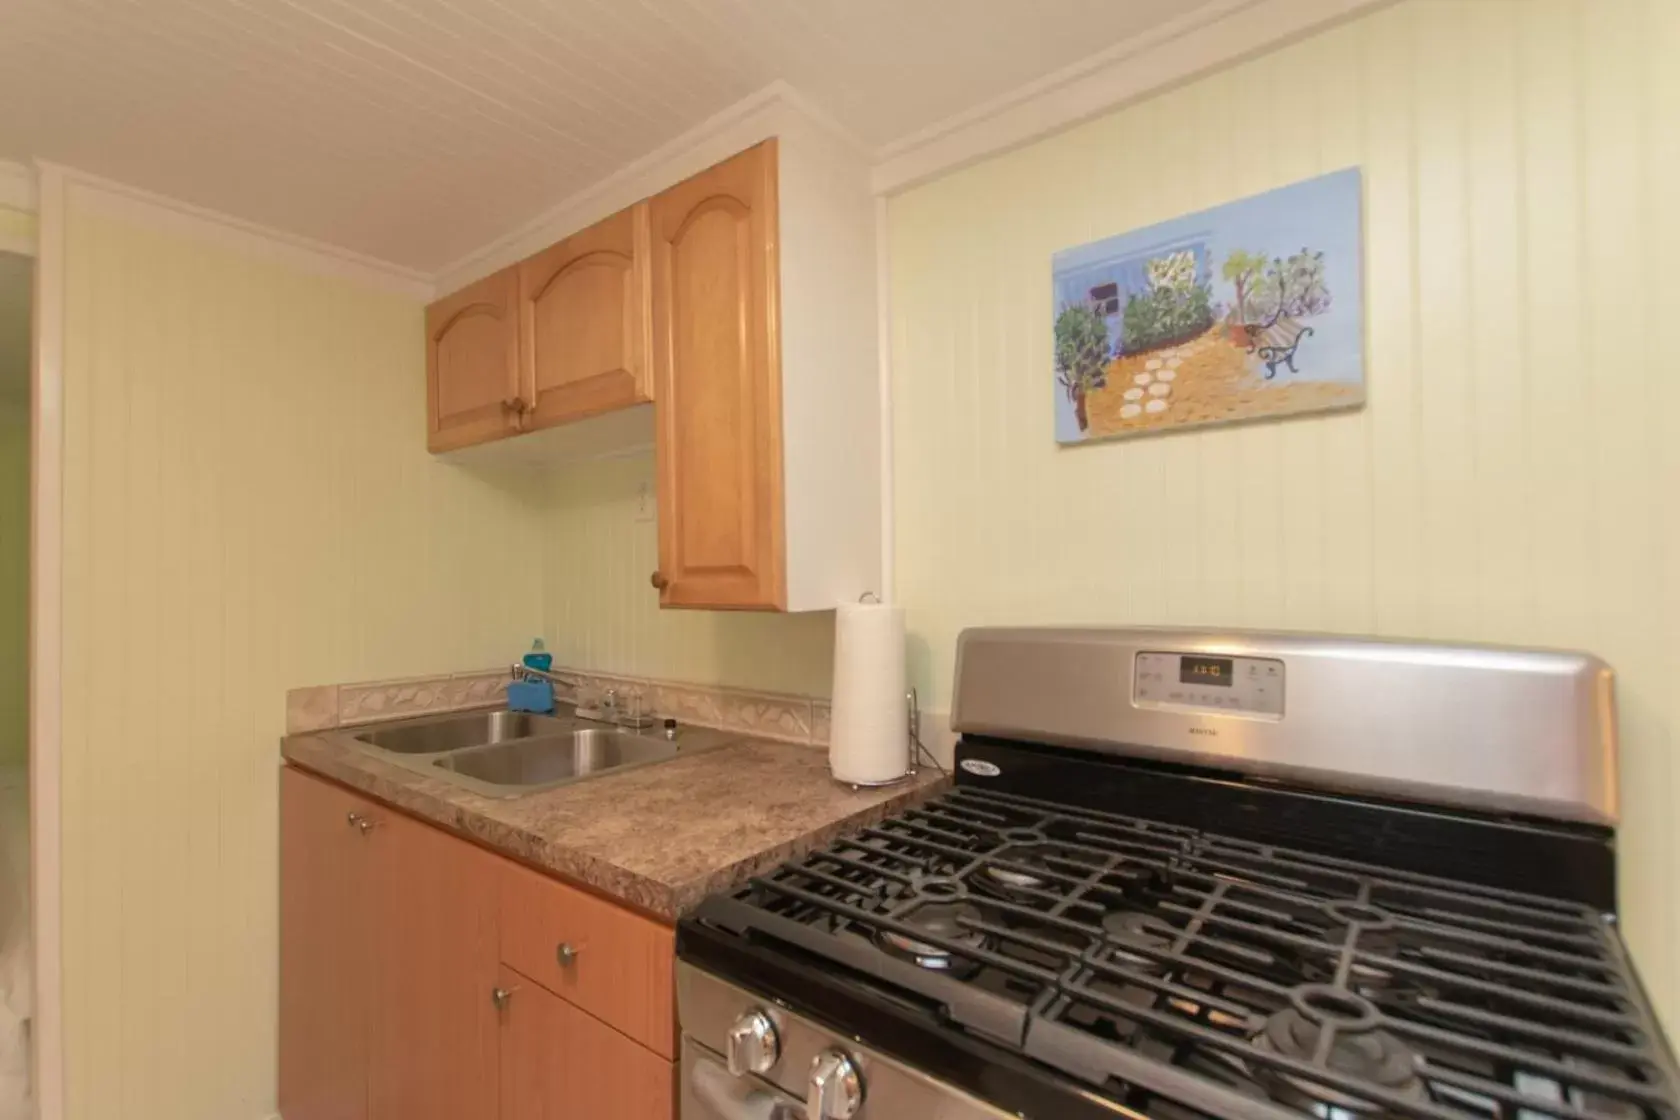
[510, 754]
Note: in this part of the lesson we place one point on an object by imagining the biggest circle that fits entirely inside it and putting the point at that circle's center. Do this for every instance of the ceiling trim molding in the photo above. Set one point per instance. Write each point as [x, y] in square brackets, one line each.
[237, 233]
[17, 187]
[1215, 34]
[773, 110]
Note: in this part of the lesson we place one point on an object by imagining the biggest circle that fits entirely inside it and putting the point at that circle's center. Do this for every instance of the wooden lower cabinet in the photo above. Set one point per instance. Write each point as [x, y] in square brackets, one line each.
[432, 1026]
[560, 1063]
[324, 952]
[396, 999]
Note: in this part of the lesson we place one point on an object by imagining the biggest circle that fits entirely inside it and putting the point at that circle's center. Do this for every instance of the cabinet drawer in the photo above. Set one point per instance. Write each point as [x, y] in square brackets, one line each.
[614, 964]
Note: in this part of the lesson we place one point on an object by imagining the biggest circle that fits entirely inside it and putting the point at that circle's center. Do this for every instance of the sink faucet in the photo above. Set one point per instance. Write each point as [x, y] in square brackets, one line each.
[609, 705]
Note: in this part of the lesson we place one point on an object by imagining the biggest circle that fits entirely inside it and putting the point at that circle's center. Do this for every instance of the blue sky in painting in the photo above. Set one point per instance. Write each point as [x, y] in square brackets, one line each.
[1321, 214]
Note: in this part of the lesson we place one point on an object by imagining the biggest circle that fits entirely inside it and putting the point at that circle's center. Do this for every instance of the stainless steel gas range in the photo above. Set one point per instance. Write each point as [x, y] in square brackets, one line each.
[1188, 874]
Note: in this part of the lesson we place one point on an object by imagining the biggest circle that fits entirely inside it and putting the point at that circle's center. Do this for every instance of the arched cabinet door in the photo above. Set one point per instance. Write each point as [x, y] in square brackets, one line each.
[583, 322]
[717, 387]
[472, 365]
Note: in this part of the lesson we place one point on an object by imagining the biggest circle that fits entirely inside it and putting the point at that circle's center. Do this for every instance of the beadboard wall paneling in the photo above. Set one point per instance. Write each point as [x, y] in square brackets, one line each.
[248, 507]
[1513, 476]
[602, 613]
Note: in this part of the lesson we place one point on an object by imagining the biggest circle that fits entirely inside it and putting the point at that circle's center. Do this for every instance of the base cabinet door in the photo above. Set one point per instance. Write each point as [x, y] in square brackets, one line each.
[433, 1027]
[559, 1063]
[324, 951]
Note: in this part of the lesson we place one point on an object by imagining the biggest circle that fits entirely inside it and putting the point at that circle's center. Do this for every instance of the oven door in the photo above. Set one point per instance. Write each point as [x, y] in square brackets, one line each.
[711, 1092]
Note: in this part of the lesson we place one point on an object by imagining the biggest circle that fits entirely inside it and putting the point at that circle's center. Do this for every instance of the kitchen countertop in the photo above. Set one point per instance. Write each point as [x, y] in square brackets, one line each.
[658, 837]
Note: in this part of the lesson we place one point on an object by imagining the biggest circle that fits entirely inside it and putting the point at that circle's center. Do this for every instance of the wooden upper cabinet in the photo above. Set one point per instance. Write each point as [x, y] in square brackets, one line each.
[717, 386]
[472, 364]
[584, 320]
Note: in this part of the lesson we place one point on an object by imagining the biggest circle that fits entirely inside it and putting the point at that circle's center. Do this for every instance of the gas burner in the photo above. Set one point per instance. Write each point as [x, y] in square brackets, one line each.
[944, 920]
[1360, 1049]
[938, 887]
[1129, 930]
[1026, 872]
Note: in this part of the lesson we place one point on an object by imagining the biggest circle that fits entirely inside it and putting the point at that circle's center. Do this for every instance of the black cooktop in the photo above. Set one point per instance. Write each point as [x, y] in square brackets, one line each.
[1066, 960]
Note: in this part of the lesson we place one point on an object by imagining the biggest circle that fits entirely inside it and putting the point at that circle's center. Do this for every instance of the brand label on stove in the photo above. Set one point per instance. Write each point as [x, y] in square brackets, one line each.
[981, 767]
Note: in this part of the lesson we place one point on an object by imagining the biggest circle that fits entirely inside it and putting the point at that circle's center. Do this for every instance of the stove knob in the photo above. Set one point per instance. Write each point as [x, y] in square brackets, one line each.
[753, 1045]
[836, 1088]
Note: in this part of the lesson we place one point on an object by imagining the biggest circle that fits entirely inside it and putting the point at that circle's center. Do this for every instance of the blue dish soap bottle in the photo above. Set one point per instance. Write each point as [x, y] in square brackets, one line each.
[533, 693]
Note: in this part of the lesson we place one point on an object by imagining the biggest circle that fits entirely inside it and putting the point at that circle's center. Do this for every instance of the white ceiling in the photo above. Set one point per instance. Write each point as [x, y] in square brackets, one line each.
[417, 131]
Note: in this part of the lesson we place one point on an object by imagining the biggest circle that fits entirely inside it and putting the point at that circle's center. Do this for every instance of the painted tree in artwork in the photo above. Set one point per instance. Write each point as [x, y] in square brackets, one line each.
[1081, 353]
[1241, 270]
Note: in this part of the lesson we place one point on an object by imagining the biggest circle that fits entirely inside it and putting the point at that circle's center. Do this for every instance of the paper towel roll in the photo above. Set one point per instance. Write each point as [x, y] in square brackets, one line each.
[868, 738]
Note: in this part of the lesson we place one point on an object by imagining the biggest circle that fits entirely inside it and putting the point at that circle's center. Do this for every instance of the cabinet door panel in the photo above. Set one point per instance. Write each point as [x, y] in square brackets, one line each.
[717, 385]
[583, 310]
[558, 1063]
[620, 964]
[472, 368]
[433, 1034]
[324, 939]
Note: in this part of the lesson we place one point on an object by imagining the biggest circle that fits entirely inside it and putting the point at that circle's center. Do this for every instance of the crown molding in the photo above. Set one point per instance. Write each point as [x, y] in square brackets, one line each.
[774, 110]
[17, 187]
[1214, 34]
[237, 233]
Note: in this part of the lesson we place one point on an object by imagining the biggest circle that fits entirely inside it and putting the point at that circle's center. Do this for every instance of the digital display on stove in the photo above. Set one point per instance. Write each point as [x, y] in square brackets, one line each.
[1206, 670]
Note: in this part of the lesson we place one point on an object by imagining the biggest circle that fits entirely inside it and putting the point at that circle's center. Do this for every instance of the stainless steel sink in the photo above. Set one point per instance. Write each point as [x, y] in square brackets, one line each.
[551, 760]
[452, 733]
[499, 753]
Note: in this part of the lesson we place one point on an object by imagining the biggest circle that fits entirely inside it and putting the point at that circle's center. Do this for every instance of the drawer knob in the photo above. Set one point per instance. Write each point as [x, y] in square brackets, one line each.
[658, 580]
[500, 997]
[566, 955]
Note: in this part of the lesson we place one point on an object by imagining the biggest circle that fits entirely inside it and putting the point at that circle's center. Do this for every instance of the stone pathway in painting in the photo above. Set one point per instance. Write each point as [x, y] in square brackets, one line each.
[1206, 380]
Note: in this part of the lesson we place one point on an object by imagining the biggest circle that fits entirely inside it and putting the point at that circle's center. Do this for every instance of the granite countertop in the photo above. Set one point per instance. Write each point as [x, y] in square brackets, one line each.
[658, 837]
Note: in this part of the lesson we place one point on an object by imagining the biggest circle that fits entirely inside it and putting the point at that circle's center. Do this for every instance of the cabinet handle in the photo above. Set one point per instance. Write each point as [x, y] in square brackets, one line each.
[566, 954]
[515, 405]
[500, 997]
[366, 824]
[658, 580]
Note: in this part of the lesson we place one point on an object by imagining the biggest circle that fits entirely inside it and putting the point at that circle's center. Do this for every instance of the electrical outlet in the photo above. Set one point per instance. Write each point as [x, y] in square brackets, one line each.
[645, 504]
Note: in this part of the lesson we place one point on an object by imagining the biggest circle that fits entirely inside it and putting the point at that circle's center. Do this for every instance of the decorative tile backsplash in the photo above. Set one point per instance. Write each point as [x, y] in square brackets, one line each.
[766, 715]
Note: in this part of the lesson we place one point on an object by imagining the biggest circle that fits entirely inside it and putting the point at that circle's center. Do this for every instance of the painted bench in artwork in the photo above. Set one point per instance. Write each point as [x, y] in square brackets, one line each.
[1276, 342]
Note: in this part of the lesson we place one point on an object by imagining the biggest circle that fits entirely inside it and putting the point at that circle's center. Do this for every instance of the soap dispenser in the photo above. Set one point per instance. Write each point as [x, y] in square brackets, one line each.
[533, 693]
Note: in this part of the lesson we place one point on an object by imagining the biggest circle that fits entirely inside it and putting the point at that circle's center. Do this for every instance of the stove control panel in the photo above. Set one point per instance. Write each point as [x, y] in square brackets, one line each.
[1199, 682]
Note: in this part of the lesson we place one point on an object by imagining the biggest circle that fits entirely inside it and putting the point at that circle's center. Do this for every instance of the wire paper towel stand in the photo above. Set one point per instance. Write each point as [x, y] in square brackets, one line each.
[913, 731]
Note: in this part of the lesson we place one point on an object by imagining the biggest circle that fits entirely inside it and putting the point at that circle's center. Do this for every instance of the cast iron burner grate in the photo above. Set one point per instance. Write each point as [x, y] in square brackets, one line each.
[1190, 973]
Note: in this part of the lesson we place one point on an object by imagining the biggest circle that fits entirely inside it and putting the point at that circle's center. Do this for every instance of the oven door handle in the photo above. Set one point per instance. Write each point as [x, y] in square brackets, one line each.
[727, 1097]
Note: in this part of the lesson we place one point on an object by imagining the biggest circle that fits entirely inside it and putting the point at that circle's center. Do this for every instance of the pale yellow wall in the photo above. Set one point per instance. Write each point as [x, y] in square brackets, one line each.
[1514, 476]
[16, 224]
[248, 507]
[602, 612]
[14, 578]
[16, 279]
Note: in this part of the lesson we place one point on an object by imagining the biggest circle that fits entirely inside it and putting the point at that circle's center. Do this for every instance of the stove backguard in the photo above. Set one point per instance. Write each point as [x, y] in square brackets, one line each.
[1528, 733]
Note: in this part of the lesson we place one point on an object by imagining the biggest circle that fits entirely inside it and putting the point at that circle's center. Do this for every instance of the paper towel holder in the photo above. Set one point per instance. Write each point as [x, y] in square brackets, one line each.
[912, 735]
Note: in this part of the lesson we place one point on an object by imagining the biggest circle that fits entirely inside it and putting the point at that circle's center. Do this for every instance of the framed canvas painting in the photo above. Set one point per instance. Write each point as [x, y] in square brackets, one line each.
[1251, 309]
